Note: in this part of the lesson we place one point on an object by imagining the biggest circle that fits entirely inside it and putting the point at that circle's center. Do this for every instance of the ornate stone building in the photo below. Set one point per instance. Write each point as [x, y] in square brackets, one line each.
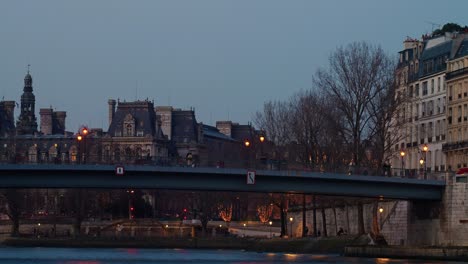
[139, 133]
[134, 134]
[24, 143]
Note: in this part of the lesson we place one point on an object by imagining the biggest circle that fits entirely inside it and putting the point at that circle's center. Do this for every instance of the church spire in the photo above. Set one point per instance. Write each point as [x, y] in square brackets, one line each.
[27, 123]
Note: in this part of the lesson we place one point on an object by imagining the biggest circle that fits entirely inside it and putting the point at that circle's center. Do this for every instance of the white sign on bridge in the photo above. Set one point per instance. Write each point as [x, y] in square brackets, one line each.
[250, 177]
[119, 170]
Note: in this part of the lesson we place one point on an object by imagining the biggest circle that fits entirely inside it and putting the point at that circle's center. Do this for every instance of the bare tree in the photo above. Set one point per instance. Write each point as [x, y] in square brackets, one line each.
[14, 203]
[355, 78]
[358, 80]
[308, 123]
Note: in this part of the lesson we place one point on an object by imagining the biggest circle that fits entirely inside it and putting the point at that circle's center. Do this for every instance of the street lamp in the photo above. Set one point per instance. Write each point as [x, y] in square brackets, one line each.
[291, 221]
[131, 208]
[270, 227]
[425, 149]
[248, 147]
[262, 139]
[402, 155]
[81, 137]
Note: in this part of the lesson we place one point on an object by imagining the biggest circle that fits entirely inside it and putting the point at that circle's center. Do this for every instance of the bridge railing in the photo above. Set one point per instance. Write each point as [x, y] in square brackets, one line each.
[418, 174]
[165, 162]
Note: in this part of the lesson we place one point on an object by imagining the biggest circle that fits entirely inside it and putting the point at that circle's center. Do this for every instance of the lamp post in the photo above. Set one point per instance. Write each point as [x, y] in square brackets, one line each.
[247, 145]
[270, 223]
[131, 208]
[381, 210]
[291, 221]
[81, 137]
[425, 150]
[402, 155]
[261, 138]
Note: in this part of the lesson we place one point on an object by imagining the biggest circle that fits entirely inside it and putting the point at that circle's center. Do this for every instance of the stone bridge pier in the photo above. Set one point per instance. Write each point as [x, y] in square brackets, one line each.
[404, 222]
[443, 223]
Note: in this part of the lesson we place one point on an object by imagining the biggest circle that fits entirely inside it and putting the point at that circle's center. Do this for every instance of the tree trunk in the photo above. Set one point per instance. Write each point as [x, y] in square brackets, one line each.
[360, 219]
[304, 220]
[324, 222]
[79, 198]
[204, 222]
[283, 222]
[15, 226]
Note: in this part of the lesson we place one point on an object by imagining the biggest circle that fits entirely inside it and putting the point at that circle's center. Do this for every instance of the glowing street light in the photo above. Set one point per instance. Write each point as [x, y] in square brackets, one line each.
[402, 155]
[262, 138]
[270, 227]
[291, 221]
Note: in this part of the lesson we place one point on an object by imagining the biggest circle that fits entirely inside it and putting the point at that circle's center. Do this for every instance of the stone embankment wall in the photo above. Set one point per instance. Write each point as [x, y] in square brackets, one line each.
[393, 220]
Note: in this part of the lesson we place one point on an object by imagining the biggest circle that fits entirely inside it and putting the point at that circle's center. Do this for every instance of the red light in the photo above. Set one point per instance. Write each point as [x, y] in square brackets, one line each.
[85, 131]
[131, 208]
[185, 210]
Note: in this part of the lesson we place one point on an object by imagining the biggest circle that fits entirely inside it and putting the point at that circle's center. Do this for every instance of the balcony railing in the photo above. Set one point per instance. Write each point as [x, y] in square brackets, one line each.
[456, 73]
[455, 145]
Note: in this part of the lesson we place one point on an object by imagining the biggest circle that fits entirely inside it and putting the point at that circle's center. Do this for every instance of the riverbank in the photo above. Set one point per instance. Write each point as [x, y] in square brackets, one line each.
[334, 245]
[432, 253]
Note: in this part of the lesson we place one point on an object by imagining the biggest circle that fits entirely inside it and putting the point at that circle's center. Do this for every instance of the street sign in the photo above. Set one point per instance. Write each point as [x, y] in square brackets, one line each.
[250, 177]
[119, 170]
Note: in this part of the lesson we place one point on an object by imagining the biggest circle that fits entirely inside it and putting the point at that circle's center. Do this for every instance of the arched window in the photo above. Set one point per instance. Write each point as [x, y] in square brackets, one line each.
[73, 154]
[117, 155]
[32, 154]
[107, 154]
[128, 130]
[128, 154]
[138, 153]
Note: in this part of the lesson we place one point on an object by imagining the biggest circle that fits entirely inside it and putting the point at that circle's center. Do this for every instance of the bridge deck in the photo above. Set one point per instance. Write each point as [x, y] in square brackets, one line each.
[183, 178]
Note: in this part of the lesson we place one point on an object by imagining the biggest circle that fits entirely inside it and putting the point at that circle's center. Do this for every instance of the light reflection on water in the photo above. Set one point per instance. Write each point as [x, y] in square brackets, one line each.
[147, 256]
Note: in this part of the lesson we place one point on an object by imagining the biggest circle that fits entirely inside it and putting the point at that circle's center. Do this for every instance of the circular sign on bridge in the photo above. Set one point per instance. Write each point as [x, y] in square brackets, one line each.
[119, 170]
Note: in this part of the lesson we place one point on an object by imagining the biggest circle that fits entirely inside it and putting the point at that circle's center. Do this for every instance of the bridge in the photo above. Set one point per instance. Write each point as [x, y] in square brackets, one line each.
[216, 179]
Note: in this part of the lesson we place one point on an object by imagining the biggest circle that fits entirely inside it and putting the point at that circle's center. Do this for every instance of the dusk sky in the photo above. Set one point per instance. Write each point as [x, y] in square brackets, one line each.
[224, 58]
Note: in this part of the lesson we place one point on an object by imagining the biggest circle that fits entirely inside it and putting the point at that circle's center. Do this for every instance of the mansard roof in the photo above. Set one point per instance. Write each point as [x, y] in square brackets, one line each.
[436, 51]
[211, 131]
[184, 126]
[463, 49]
[141, 111]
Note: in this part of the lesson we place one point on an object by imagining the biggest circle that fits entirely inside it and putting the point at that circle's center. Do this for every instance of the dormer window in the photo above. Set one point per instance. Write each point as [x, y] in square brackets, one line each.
[129, 130]
[129, 126]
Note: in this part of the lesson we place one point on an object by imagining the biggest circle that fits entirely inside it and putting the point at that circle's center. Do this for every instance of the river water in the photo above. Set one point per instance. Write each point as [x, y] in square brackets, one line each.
[175, 256]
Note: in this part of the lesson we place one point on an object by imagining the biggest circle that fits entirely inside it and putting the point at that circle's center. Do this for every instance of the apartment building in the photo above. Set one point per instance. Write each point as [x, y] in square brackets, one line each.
[421, 121]
[456, 148]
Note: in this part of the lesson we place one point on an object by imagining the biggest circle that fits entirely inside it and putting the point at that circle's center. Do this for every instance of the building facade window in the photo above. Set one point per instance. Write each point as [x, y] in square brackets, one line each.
[424, 88]
[432, 86]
